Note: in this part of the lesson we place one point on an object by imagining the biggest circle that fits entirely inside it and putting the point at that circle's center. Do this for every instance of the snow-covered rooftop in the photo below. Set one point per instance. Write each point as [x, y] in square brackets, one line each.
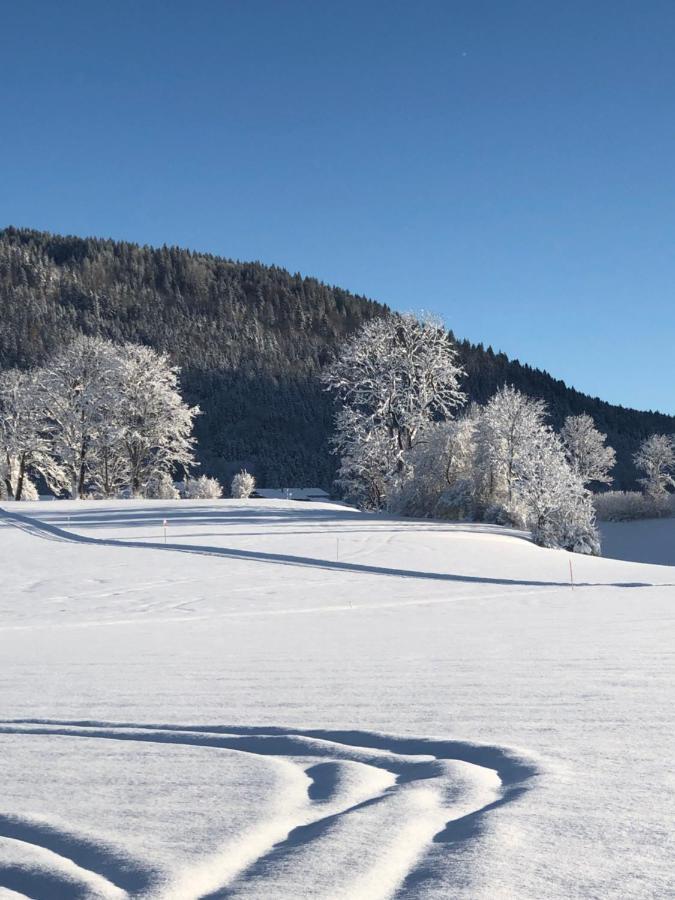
[292, 493]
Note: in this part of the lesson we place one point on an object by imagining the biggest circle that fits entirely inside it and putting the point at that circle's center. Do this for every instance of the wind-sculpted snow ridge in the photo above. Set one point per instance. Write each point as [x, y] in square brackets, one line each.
[364, 816]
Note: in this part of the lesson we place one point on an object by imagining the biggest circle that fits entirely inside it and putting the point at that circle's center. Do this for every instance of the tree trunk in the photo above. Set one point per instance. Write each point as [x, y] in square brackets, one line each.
[8, 479]
[20, 478]
[80, 482]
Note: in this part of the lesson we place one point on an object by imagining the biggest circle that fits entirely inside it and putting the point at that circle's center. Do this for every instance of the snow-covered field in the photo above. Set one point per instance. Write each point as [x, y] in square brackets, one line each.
[294, 700]
[649, 541]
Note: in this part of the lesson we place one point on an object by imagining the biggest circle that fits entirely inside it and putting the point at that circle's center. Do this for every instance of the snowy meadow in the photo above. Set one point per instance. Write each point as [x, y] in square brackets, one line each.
[291, 700]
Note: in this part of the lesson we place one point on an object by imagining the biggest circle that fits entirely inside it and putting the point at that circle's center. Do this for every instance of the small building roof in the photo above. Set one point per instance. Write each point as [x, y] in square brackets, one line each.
[292, 493]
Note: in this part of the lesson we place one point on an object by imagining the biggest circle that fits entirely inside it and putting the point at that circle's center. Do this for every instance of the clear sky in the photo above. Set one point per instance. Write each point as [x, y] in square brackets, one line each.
[510, 165]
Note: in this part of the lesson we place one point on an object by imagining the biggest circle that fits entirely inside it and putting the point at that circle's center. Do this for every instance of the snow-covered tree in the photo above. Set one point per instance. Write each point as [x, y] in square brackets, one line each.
[394, 378]
[243, 485]
[75, 386]
[97, 417]
[162, 488]
[523, 475]
[203, 488]
[107, 466]
[107, 463]
[444, 456]
[24, 449]
[656, 458]
[586, 450]
[557, 507]
[366, 459]
[505, 435]
[156, 423]
[22, 445]
[459, 459]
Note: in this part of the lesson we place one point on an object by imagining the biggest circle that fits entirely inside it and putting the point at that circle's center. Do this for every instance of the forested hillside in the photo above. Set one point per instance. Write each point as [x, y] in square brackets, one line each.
[250, 340]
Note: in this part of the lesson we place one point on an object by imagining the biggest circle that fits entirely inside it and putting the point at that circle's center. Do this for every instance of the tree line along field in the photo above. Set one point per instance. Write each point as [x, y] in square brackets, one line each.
[250, 340]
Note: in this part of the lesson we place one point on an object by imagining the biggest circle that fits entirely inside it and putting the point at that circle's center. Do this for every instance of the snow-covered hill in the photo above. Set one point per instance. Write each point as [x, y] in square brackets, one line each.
[291, 700]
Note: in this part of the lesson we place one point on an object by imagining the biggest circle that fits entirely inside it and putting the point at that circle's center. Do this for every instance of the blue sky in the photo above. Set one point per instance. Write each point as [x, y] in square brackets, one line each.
[510, 165]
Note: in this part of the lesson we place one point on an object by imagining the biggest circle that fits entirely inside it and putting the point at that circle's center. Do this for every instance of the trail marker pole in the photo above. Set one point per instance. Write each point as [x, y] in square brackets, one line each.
[164, 523]
[571, 573]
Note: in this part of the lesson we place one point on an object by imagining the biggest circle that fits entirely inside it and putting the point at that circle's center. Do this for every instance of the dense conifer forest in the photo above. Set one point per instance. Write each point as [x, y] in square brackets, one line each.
[250, 339]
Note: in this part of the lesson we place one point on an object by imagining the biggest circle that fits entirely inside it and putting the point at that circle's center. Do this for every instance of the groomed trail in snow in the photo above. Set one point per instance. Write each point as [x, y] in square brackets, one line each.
[286, 700]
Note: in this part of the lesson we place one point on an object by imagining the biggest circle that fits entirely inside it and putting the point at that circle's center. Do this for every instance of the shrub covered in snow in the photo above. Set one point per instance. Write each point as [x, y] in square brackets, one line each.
[621, 506]
[162, 488]
[243, 485]
[458, 502]
[202, 488]
[498, 514]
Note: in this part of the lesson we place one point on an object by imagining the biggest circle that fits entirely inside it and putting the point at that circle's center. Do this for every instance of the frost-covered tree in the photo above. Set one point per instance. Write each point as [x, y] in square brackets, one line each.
[366, 459]
[107, 466]
[586, 450]
[97, 417]
[444, 457]
[656, 458]
[24, 449]
[162, 488]
[394, 378]
[203, 488]
[76, 385]
[243, 485]
[107, 463]
[557, 507]
[505, 436]
[156, 423]
[522, 470]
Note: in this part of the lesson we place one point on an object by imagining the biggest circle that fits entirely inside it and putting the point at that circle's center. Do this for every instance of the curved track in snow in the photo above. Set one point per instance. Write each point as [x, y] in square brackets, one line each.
[364, 816]
[38, 528]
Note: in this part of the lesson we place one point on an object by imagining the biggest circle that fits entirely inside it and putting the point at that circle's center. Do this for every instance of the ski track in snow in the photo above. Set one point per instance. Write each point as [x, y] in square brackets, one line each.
[39, 528]
[364, 812]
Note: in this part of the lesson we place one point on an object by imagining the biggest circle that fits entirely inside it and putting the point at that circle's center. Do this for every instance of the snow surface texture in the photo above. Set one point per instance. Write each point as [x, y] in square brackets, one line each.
[646, 540]
[292, 700]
